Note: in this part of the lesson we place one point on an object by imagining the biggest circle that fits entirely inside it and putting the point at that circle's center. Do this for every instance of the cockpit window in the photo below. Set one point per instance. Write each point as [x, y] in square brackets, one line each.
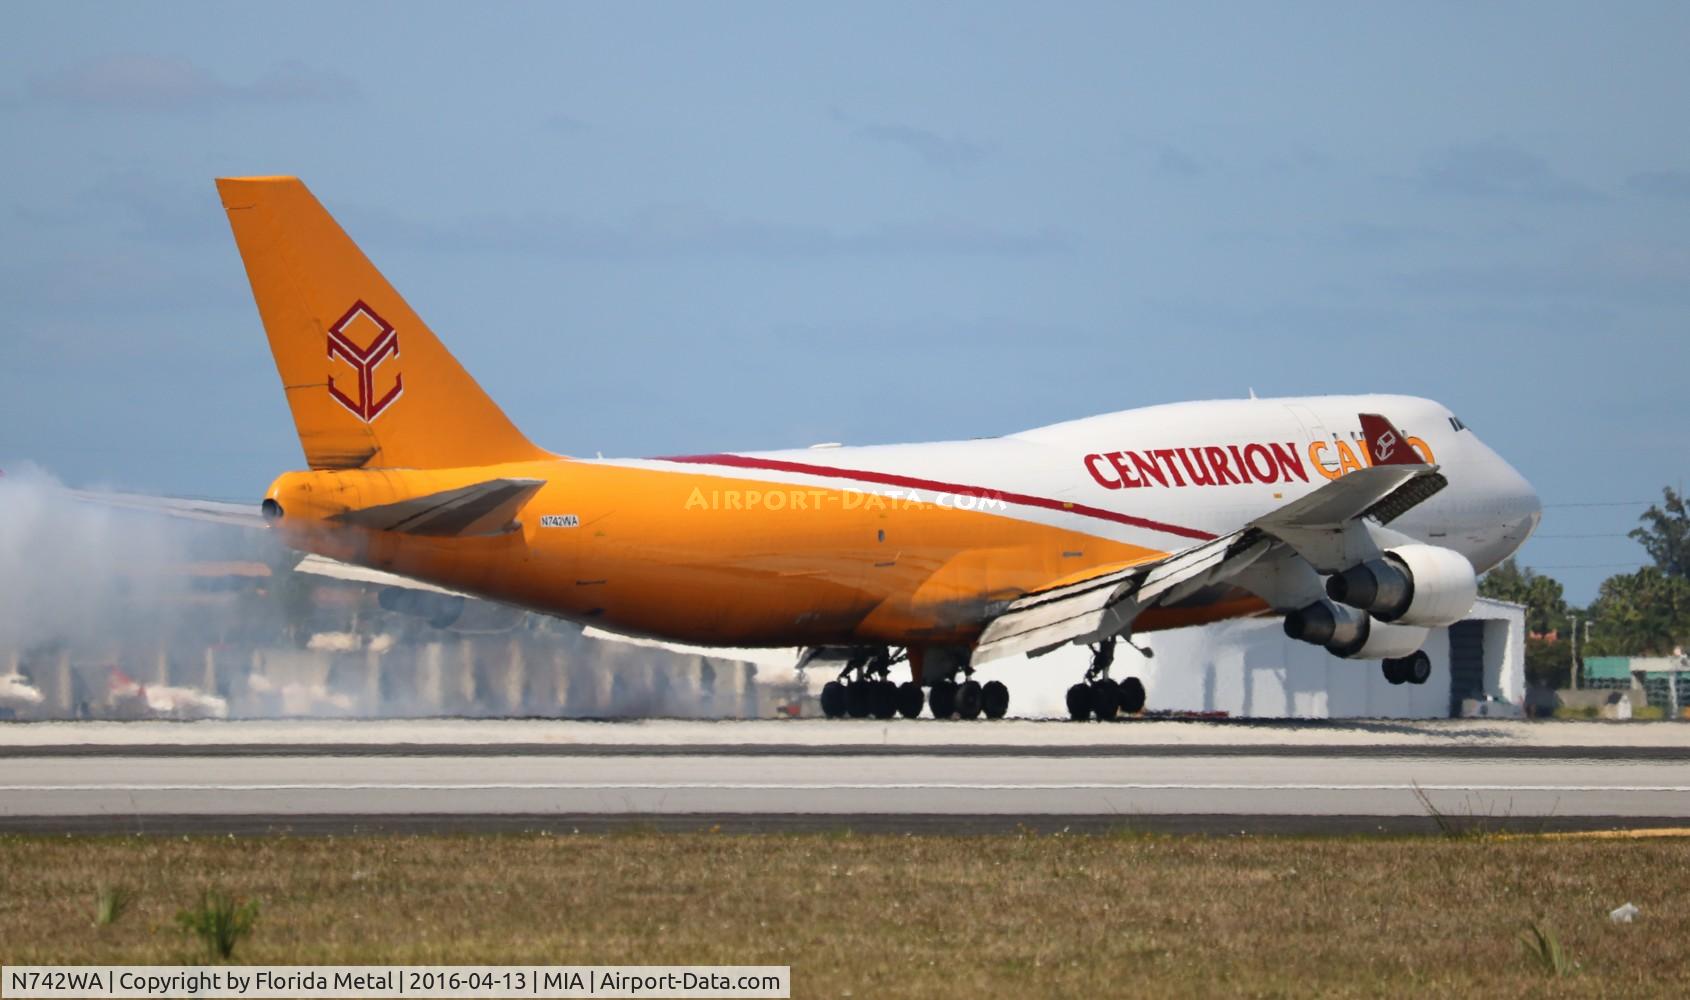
[1456, 423]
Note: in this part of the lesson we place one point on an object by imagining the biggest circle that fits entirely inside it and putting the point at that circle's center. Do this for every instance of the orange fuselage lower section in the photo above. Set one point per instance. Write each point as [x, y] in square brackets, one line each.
[717, 560]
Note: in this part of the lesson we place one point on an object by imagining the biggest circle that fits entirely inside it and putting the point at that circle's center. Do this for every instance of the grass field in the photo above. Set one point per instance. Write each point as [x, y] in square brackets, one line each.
[887, 915]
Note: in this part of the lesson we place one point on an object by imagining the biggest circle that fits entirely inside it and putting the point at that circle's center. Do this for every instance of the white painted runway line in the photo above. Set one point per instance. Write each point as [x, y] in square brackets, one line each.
[761, 786]
[472, 772]
[130, 789]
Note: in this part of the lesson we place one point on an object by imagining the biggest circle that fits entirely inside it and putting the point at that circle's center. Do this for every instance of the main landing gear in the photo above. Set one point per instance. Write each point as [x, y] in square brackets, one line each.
[1415, 668]
[865, 689]
[1098, 695]
[968, 700]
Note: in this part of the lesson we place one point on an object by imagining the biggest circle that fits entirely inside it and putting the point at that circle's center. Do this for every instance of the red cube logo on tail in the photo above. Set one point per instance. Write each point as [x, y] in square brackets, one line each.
[362, 323]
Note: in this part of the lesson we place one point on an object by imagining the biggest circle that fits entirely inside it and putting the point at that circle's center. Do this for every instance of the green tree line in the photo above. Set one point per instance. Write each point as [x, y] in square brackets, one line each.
[1643, 613]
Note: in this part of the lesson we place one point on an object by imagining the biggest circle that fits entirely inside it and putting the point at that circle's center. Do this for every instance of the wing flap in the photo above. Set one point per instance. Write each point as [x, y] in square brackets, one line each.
[1101, 606]
[1104, 578]
[1343, 499]
[1406, 497]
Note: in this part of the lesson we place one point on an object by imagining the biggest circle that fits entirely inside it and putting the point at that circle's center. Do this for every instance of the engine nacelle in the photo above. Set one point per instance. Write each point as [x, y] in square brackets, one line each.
[450, 611]
[1411, 584]
[1389, 642]
[1352, 634]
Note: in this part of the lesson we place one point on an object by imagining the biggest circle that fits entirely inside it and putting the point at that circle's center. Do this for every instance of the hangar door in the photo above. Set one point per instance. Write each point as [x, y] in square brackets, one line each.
[1466, 663]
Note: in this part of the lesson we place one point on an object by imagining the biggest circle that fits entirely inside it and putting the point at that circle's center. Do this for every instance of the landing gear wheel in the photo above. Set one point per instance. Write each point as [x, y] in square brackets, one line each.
[883, 699]
[1079, 702]
[859, 699]
[910, 699]
[994, 698]
[833, 699]
[1394, 671]
[1417, 668]
[968, 700]
[942, 700]
[1132, 696]
[1105, 700]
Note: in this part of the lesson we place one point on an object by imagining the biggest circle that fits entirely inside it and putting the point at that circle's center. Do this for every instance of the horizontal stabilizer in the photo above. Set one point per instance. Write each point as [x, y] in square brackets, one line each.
[240, 515]
[485, 508]
[334, 569]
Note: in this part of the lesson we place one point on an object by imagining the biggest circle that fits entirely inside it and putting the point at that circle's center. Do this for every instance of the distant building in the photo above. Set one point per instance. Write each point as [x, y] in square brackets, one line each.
[1664, 681]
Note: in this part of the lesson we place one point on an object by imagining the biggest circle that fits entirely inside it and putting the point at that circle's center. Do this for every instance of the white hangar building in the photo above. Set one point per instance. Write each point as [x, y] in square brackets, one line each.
[1250, 669]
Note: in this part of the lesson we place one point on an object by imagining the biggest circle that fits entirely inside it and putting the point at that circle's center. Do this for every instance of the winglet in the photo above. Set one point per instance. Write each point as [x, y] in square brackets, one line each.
[1385, 444]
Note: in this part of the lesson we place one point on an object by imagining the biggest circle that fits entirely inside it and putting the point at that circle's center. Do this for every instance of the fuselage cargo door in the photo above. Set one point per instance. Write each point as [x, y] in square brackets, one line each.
[1314, 429]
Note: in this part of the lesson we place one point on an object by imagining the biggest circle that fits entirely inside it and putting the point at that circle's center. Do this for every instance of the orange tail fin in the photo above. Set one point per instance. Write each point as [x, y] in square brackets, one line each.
[369, 385]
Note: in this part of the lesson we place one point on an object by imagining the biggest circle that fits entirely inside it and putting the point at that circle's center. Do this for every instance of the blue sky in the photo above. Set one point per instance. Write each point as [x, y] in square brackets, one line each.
[652, 228]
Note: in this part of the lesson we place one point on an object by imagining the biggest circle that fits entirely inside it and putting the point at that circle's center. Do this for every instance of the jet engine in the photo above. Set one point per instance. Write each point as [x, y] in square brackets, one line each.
[1324, 623]
[450, 611]
[1410, 584]
[1352, 634]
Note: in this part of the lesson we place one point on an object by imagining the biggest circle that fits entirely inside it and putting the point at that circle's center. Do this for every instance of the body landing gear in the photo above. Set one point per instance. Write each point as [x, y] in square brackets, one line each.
[910, 699]
[864, 689]
[968, 700]
[1101, 696]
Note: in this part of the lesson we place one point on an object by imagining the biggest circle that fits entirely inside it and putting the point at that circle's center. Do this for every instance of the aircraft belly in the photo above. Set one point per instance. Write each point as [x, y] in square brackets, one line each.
[677, 561]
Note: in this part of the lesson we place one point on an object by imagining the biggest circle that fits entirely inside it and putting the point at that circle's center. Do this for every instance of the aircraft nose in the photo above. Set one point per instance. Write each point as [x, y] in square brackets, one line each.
[1531, 501]
[1523, 509]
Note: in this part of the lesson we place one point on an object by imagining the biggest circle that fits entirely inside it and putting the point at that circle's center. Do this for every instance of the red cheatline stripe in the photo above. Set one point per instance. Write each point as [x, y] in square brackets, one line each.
[911, 482]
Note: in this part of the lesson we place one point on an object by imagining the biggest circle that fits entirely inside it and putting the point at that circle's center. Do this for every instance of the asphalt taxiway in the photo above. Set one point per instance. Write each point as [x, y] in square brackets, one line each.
[528, 774]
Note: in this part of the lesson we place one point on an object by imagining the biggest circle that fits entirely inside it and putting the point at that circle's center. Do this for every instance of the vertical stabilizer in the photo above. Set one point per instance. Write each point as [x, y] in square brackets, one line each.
[369, 384]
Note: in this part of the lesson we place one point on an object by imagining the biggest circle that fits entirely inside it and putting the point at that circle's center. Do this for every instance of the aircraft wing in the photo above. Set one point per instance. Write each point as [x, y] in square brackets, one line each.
[1098, 607]
[1104, 605]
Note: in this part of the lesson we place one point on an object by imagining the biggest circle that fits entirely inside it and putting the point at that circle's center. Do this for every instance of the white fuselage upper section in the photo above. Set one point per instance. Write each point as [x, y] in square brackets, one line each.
[1165, 477]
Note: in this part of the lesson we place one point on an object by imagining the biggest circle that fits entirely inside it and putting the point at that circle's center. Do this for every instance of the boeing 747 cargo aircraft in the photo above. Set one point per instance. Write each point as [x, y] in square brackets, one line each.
[1360, 520]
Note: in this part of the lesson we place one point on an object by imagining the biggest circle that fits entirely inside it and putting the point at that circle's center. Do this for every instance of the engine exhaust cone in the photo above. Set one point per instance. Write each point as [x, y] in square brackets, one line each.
[1357, 586]
[1314, 623]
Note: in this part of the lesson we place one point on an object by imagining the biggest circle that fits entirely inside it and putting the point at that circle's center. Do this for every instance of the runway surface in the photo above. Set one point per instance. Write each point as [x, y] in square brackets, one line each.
[525, 774]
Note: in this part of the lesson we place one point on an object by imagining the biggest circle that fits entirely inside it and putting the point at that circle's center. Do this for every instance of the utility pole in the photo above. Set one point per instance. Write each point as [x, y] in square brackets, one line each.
[1573, 666]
